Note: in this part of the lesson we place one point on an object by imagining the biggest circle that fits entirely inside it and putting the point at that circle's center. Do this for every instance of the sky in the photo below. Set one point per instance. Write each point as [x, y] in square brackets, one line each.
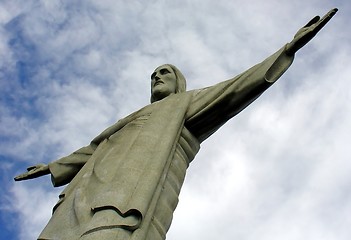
[278, 170]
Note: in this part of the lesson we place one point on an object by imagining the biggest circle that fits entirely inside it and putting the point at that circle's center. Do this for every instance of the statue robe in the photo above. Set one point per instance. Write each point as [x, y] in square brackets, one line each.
[126, 183]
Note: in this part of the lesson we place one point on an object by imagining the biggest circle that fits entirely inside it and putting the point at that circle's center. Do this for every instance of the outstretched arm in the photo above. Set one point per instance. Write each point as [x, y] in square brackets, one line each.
[213, 106]
[62, 170]
[306, 33]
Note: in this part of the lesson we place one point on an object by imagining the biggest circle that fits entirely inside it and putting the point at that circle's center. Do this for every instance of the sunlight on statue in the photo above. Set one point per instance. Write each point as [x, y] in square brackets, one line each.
[125, 184]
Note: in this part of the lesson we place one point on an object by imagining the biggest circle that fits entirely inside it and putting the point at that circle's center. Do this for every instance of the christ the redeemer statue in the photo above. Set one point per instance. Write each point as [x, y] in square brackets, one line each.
[126, 183]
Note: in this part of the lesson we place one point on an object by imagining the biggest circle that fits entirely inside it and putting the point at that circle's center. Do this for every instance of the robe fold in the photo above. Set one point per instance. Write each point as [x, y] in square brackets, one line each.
[126, 183]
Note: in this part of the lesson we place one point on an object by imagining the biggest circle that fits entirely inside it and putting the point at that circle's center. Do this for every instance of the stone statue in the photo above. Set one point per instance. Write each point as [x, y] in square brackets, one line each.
[125, 184]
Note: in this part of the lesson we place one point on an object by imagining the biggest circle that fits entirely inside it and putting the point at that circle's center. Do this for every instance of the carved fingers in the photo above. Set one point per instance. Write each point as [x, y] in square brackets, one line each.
[33, 172]
[306, 33]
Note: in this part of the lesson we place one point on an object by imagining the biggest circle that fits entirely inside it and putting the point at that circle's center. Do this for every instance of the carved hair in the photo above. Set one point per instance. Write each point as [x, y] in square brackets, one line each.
[180, 80]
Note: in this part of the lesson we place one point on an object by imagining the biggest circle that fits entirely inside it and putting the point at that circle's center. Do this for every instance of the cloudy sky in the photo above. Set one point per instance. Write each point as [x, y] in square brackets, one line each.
[279, 170]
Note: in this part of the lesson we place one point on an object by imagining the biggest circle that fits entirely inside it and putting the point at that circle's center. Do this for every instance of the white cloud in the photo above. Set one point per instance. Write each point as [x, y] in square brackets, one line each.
[30, 201]
[278, 170]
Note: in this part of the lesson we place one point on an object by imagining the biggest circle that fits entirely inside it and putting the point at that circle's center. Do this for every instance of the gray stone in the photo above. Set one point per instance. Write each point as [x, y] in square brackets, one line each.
[125, 183]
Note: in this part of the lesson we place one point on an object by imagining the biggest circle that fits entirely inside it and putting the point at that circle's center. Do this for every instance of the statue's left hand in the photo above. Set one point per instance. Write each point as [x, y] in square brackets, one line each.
[34, 172]
[305, 34]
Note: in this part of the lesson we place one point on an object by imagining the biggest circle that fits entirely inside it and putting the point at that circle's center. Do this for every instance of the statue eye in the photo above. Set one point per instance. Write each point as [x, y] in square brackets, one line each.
[153, 75]
[164, 71]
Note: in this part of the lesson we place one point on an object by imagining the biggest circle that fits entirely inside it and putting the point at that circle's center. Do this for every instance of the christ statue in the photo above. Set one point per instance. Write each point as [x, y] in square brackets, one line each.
[125, 184]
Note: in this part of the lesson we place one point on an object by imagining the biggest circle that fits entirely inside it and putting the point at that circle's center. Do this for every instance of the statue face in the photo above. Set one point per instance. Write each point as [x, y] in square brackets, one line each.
[163, 82]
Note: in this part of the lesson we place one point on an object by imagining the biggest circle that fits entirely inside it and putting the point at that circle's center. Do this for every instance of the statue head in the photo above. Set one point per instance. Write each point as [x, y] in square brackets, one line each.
[166, 80]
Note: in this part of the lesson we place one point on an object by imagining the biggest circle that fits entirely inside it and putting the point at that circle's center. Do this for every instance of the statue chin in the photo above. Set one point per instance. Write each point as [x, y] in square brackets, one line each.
[159, 94]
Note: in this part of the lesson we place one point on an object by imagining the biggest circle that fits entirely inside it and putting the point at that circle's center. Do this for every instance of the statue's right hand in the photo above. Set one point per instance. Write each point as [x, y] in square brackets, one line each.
[306, 33]
[33, 172]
